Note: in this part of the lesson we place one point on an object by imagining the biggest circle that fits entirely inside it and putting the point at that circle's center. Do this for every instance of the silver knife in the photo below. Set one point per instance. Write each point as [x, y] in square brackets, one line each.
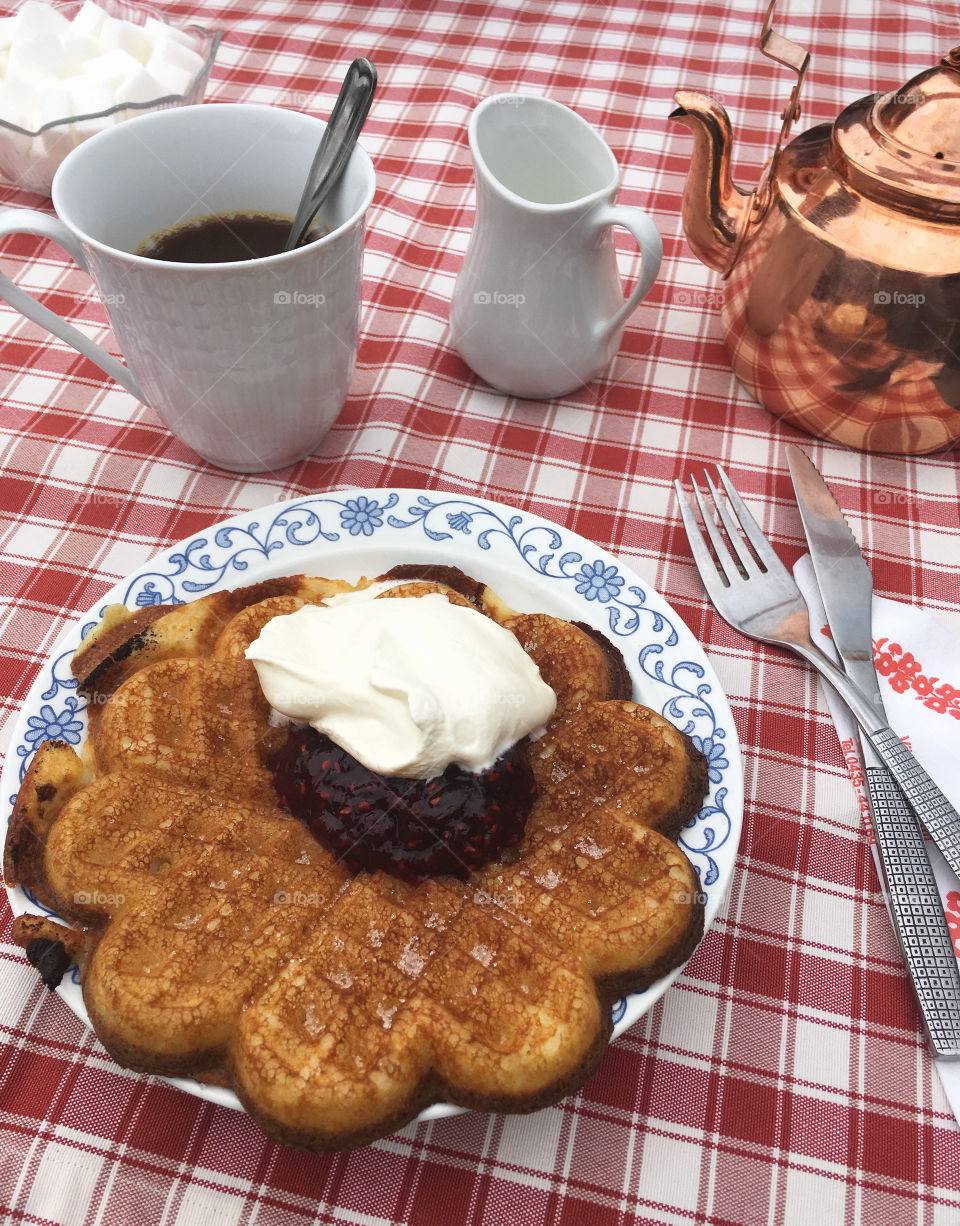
[846, 587]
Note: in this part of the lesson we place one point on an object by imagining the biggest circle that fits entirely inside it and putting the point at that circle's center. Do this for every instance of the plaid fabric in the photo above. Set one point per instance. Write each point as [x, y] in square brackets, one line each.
[784, 1078]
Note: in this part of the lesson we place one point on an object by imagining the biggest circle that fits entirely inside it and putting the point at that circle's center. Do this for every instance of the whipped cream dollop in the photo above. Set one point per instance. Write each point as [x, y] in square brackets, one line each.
[406, 687]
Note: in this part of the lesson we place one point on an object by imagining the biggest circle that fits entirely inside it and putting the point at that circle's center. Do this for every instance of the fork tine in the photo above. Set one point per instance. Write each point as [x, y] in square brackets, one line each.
[746, 559]
[728, 565]
[751, 528]
[710, 574]
[764, 604]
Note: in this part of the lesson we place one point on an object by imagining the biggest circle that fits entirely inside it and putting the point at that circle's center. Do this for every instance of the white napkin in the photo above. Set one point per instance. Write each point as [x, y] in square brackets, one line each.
[918, 666]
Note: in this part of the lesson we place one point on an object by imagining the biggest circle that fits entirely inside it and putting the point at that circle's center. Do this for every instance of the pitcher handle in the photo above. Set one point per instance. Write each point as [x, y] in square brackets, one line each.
[651, 253]
[29, 221]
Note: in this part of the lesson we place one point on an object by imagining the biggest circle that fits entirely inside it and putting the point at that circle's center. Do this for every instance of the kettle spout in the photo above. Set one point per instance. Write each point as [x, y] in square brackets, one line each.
[714, 208]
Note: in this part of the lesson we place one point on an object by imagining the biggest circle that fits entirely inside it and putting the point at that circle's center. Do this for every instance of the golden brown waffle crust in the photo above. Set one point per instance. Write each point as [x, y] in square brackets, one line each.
[433, 1090]
[168, 828]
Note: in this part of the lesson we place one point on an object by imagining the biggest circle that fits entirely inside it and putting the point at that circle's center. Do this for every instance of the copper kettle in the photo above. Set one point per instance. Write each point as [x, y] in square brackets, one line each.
[842, 297]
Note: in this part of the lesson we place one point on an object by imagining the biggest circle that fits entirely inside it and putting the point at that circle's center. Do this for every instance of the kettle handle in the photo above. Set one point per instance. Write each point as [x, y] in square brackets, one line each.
[790, 55]
[651, 253]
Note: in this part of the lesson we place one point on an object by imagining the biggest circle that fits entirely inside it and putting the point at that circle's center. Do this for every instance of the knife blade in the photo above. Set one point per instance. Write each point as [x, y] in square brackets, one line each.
[846, 588]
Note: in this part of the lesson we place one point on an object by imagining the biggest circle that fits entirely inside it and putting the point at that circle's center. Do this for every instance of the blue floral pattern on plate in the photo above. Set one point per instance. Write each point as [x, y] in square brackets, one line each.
[598, 582]
[52, 725]
[340, 533]
[361, 515]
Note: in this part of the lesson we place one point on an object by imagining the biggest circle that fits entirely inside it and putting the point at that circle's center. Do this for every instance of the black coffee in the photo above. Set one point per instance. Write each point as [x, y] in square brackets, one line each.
[221, 239]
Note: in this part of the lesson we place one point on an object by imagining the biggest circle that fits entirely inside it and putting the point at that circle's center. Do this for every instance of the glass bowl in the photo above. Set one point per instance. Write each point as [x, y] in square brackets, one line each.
[29, 159]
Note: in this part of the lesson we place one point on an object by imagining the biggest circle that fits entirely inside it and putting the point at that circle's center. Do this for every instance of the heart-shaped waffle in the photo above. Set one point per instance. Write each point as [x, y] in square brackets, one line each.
[217, 938]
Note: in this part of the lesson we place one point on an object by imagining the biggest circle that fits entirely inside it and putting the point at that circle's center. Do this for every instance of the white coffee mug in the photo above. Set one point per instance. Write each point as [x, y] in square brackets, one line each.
[538, 309]
[248, 363]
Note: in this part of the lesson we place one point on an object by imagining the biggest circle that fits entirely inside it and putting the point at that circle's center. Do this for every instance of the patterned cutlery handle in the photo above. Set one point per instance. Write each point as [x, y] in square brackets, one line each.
[938, 815]
[917, 911]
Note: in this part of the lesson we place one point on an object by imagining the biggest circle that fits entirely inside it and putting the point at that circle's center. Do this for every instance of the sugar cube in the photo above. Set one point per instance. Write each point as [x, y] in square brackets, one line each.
[140, 87]
[52, 69]
[55, 103]
[173, 80]
[175, 77]
[15, 150]
[157, 31]
[85, 128]
[77, 48]
[35, 57]
[38, 20]
[18, 103]
[111, 68]
[128, 37]
[24, 98]
[89, 96]
[50, 148]
[167, 50]
[89, 19]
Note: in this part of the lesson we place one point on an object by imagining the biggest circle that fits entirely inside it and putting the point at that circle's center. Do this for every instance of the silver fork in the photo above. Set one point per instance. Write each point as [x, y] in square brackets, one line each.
[755, 593]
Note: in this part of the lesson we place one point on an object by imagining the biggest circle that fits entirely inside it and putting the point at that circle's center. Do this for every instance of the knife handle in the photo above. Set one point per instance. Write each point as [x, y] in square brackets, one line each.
[917, 912]
[930, 805]
[937, 814]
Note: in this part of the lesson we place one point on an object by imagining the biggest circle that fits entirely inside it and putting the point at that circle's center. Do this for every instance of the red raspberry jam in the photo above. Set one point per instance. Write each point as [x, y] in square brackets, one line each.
[413, 828]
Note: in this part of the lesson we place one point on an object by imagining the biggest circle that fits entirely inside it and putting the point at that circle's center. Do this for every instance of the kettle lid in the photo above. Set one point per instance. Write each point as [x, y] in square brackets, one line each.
[903, 148]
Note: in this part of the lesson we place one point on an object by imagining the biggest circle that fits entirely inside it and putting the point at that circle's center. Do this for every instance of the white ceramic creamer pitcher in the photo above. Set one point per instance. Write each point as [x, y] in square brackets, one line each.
[538, 309]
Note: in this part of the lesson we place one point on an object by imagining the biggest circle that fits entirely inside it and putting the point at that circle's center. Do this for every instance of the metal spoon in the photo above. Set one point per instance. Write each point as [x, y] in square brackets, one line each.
[346, 120]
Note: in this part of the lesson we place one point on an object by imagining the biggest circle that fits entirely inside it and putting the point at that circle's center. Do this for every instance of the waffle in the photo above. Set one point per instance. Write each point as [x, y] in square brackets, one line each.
[218, 939]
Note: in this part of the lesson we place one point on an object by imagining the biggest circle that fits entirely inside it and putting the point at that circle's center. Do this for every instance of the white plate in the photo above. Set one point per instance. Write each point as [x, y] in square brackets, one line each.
[533, 564]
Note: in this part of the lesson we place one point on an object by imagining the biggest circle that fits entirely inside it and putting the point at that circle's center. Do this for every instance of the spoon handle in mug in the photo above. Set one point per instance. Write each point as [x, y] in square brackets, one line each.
[343, 128]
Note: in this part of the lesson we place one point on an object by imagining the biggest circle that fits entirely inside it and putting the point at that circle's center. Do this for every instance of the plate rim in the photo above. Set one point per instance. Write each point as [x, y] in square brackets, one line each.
[362, 512]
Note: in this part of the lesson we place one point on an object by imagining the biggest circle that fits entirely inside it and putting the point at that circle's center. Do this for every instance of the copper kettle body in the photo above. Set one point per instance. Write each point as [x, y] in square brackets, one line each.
[842, 270]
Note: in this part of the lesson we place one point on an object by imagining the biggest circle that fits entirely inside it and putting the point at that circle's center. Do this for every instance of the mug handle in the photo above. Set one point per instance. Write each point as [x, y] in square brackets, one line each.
[29, 221]
[651, 253]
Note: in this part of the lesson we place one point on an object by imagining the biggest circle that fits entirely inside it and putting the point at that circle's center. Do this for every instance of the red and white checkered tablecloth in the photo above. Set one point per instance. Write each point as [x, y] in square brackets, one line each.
[783, 1080]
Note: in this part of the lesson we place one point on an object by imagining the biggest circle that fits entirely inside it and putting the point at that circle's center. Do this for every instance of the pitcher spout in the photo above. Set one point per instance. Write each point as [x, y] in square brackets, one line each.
[714, 208]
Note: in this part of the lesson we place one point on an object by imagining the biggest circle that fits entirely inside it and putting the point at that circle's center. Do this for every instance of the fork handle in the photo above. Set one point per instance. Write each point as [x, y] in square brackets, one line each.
[939, 817]
[916, 909]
